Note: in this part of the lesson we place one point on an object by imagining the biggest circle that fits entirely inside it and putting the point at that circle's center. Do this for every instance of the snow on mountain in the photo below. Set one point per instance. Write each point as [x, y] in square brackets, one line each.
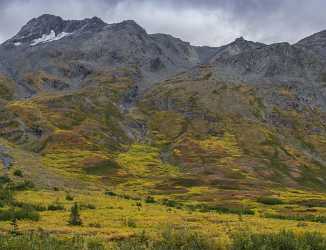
[49, 38]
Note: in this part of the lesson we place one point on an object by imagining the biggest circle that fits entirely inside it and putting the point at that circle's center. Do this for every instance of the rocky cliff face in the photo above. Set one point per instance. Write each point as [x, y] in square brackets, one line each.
[315, 43]
[275, 61]
[239, 46]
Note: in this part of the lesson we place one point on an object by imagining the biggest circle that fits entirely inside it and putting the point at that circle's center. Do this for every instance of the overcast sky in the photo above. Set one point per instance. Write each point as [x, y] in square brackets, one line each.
[201, 22]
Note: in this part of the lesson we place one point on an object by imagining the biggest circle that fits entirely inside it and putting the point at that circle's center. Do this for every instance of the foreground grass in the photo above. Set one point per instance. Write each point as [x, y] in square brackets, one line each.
[279, 241]
[169, 240]
[116, 217]
[113, 220]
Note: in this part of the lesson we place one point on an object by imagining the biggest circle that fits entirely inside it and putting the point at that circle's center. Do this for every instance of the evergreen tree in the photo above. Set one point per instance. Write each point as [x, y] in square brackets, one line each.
[75, 219]
[14, 225]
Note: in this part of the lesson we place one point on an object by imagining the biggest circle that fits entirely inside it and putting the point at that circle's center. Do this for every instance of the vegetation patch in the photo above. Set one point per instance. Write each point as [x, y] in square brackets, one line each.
[222, 209]
[144, 161]
[277, 241]
[298, 217]
[19, 214]
[270, 200]
[37, 241]
[313, 203]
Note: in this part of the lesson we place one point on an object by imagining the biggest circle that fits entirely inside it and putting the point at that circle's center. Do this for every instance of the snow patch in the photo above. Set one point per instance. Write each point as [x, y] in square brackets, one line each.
[49, 38]
[17, 43]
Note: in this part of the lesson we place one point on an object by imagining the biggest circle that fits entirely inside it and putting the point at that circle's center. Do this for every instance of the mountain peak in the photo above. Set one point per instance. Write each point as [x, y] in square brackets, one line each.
[234, 48]
[51, 26]
[47, 17]
[315, 43]
[240, 39]
[130, 22]
[130, 25]
[36, 27]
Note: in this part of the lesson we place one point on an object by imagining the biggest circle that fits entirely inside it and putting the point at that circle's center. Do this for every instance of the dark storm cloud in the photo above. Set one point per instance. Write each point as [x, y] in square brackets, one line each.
[211, 22]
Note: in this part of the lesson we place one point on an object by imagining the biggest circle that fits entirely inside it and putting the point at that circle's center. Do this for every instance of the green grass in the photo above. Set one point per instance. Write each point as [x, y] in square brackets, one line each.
[169, 239]
[285, 240]
[46, 242]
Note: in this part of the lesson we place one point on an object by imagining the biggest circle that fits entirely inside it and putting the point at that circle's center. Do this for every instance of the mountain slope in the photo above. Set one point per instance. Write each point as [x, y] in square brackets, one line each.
[111, 104]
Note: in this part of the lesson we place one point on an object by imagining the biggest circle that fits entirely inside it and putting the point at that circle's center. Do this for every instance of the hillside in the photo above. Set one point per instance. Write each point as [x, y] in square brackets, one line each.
[89, 108]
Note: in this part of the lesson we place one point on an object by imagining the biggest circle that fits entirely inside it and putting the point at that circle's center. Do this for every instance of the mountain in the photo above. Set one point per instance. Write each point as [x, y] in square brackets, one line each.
[42, 26]
[239, 46]
[111, 105]
[48, 44]
[315, 43]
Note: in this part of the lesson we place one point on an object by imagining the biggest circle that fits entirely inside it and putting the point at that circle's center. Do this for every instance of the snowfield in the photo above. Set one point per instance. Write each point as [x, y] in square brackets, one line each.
[46, 38]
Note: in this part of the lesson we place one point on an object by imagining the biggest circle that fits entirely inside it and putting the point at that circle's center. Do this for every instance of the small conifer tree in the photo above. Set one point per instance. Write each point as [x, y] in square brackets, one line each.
[75, 219]
[14, 226]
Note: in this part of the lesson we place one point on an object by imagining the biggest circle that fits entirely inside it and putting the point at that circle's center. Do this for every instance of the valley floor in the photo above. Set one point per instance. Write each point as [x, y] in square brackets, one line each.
[38, 200]
[111, 217]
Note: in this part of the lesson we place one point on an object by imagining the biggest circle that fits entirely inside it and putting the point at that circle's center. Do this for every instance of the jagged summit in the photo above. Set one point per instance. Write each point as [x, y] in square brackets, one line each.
[50, 27]
[240, 39]
[36, 27]
[129, 26]
[236, 47]
[315, 43]
[45, 18]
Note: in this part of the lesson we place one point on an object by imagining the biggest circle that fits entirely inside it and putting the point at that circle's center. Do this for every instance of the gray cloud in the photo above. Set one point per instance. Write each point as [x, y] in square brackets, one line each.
[205, 22]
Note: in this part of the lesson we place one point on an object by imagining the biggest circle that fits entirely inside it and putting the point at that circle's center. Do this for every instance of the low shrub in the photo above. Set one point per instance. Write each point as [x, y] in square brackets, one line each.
[170, 239]
[56, 207]
[18, 173]
[95, 245]
[131, 223]
[227, 210]
[128, 197]
[36, 207]
[4, 180]
[19, 214]
[298, 217]
[24, 185]
[87, 206]
[110, 193]
[150, 199]
[6, 194]
[95, 225]
[43, 241]
[284, 240]
[69, 197]
[170, 203]
[270, 200]
[313, 203]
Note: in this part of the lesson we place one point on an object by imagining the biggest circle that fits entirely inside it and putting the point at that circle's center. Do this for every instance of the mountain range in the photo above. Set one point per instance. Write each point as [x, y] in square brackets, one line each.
[84, 103]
